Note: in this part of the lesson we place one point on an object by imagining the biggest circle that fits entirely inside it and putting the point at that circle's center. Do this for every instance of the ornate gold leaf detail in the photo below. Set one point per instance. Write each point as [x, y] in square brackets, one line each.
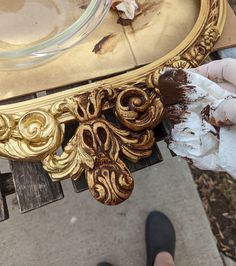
[67, 165]
[33, 135]
[139, 109]
[60, 107]
[99, 146]
[90, 105]
[7, 124]
[110, 182]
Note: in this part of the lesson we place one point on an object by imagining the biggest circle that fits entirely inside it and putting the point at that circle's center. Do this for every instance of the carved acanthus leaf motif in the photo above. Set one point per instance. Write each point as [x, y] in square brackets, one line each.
[98, 145]
[60, 107]
[68, 165]
[90, 105]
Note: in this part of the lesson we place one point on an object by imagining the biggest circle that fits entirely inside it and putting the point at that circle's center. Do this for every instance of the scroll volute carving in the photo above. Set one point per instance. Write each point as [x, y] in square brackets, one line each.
[99, 146]
[139, 108]
[32, 135]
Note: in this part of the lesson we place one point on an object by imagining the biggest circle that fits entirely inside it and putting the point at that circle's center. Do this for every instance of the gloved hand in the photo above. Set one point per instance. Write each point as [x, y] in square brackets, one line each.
[197, 106]
[222, 72]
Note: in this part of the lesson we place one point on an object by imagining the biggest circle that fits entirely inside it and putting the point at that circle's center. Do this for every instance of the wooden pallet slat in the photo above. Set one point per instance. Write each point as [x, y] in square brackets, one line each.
[7, 184]
[4, 214]
[156, 157]
[80, 184]
[33, 186]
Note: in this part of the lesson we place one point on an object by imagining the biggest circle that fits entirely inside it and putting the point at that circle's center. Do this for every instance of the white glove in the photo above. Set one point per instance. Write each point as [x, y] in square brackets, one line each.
[222, 72]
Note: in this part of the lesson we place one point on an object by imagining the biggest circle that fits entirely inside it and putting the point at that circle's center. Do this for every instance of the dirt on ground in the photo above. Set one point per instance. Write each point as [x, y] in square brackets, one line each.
[218, 194]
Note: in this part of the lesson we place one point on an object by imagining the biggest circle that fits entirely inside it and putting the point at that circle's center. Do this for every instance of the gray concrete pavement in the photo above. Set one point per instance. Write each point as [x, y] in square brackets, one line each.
[80, 231]
[228, 261]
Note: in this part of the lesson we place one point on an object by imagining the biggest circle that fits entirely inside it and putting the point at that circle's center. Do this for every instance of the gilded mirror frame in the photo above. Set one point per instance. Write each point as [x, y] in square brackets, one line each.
[34, 130]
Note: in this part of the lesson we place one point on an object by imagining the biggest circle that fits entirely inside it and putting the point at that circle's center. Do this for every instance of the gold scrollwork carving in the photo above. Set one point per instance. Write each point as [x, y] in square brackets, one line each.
[138, 109]
[32, 135]
[7, 124]
[112, 183]
[98, 145]
[34, 131]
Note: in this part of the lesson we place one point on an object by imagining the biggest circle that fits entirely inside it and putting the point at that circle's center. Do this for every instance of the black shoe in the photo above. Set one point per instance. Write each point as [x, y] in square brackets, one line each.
[104, 264]
[160, 236]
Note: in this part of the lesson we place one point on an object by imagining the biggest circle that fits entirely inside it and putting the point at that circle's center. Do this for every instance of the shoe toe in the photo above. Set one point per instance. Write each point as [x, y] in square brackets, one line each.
[160, 235]
[104, 264]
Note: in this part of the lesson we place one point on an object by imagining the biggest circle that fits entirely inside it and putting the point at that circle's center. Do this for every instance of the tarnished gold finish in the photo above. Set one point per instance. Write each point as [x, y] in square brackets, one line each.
[112, 183]
[34, 130]
[98, 145]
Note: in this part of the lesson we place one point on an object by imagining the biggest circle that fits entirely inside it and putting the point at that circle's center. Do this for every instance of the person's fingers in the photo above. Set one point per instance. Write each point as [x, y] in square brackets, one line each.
[225, 114]
[219, 70]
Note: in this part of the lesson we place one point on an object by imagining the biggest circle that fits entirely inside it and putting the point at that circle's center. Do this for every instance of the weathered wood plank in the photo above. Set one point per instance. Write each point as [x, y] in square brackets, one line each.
[144, 163]
[80, 184]
[4, 214]
[33, 186]
[7, 184]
